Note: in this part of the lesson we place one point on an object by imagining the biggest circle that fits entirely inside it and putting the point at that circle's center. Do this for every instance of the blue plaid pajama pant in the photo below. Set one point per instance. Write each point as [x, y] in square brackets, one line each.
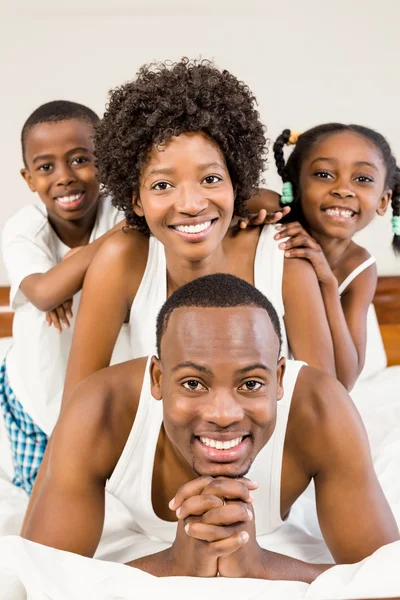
[28, 441]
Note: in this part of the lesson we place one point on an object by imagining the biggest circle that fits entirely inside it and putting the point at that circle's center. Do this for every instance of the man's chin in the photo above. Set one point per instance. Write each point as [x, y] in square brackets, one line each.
[223, 471]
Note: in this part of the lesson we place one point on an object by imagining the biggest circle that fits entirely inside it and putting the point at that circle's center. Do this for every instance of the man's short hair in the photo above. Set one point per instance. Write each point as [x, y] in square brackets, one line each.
[54, 112]
[215, 291]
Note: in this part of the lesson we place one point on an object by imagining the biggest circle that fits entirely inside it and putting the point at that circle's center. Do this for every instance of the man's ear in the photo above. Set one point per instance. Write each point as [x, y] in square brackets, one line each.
[280, 372]
[384, 202]
[28, 178]
[156, 378]
[137, 206]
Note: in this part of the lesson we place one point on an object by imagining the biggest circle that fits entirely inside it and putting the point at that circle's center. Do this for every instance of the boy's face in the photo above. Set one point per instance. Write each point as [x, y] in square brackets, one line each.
[60, 168]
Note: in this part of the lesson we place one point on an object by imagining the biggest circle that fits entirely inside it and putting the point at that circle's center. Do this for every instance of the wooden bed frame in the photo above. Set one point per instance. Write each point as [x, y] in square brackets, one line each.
[386, 301]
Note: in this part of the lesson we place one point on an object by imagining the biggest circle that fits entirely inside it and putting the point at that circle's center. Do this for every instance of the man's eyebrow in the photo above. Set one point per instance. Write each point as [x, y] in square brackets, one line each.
[193, 365]
[253, 367]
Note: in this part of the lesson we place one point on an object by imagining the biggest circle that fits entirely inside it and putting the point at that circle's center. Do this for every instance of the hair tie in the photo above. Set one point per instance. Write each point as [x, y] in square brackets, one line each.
[287, 195]
[396, 225]
[294, 136]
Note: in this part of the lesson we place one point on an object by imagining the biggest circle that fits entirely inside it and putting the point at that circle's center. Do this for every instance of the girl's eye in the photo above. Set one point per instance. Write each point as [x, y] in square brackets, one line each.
[210, 179]
[364, 179]
[161, 186]
[45, 167]
[251, 386]
[323, 175]
[193, 385]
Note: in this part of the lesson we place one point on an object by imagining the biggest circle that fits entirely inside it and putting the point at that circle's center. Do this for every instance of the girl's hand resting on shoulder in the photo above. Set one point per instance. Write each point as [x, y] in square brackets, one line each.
[263, 217]
[301, 245]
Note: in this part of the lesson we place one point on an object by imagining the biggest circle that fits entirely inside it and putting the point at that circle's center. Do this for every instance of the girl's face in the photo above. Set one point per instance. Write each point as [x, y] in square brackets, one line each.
[186, 195]
[342, 185]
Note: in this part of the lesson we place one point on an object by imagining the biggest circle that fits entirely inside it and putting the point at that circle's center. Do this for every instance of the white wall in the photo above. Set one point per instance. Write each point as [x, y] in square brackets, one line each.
[307, 62]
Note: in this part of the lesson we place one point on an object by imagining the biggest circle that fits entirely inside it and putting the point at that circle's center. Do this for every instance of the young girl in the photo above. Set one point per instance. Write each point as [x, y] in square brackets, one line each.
[335, 181]
[45, 274]
[180, 150]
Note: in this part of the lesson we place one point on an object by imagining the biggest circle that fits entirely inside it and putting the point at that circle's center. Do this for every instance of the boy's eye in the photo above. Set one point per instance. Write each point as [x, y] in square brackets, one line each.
[251, 386]
[161, 186]
[322, 175]
[210, 179]
[193, 385]
[80, 160]
[45, 167]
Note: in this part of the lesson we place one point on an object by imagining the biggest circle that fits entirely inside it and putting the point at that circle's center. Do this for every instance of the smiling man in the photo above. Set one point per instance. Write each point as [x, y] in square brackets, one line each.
[211, 441]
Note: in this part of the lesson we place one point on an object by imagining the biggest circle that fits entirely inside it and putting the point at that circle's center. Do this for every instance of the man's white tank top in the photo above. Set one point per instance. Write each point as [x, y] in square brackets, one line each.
[152, 292]
[131, 481]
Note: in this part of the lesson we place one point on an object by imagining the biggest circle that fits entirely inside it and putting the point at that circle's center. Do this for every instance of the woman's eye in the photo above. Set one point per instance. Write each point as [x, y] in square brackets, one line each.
[364, 179]
[210, 179]
[322, 175]
[45, 167]
[193, 385]
[161, 186]
[251, 386]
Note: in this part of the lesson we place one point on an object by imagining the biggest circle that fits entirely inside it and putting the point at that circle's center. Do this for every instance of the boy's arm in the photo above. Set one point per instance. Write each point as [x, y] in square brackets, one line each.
[49, 290]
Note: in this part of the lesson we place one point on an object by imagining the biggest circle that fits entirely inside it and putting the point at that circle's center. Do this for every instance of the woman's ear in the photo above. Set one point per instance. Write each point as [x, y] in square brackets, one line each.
[156, 378]
[28, 178]
[137, 206]
[384, 202]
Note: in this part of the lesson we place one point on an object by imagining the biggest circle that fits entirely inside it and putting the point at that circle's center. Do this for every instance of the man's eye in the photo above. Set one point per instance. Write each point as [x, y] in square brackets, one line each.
[323, 175]
[251, 386]
[193, 385]
[161, 185]
[210, 179]
[45, 167]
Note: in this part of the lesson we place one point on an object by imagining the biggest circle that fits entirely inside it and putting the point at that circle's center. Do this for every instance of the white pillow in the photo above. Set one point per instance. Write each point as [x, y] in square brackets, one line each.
[375, 356]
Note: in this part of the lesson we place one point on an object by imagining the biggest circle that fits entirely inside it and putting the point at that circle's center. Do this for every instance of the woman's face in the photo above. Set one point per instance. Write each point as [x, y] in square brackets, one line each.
[186, 195]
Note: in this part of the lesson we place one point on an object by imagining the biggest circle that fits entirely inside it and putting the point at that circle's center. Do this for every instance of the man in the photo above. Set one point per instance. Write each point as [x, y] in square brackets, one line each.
[179, 465]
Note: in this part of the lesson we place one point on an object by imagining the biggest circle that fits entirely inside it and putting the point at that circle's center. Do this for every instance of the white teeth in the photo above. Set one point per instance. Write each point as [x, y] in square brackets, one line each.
[193, 228]
[69, 199]
[221, 445]
[339, 212]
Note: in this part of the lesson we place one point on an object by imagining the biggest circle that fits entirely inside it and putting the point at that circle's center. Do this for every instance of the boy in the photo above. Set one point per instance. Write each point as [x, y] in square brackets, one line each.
[57, 149]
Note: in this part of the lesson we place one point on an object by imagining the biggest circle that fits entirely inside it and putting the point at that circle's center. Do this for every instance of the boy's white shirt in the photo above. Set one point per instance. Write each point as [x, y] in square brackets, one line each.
[37, 360]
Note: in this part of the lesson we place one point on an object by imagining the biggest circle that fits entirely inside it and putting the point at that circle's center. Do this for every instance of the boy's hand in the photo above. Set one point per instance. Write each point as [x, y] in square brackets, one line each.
[60, 315]
[264, 218]
[208, 526]
[301, 245]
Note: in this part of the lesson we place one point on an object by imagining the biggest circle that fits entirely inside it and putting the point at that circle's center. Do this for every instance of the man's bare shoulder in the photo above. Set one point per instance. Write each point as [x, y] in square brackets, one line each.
[322, 412]
[103, 407]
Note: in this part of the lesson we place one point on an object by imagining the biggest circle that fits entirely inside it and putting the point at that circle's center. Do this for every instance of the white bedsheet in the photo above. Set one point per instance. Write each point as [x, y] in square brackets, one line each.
[25, 570]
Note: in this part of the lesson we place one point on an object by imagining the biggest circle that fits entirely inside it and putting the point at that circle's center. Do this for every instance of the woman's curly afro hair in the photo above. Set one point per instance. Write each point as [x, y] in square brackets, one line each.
[165, 100]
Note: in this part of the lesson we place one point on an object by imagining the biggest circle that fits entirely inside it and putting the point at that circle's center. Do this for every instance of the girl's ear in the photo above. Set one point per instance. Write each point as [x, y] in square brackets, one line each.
[384, 203]
[137, 206]
[156, 378]
[28, 178]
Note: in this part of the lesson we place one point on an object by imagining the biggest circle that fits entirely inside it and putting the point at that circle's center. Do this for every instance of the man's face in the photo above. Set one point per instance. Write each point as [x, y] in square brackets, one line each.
[220, 379]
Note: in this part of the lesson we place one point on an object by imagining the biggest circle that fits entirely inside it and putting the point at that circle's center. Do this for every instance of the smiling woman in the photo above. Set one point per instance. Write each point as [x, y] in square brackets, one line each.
[180, 149]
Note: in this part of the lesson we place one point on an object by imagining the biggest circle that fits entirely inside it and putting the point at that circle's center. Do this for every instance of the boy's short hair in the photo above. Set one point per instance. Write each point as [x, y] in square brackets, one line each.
[220, 290]
[55, 111]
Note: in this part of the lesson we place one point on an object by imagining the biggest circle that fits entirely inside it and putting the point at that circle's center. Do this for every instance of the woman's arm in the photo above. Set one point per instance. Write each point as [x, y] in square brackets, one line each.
[49, 290]
[305, 318]
[108, 291]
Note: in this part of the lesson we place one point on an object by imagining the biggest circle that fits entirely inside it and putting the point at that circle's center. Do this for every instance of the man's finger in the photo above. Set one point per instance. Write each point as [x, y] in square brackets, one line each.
[198, 505]
[228, 514]
[210, 533]
[55, 320]
[62, 316]
[231, 489]
[192, 488]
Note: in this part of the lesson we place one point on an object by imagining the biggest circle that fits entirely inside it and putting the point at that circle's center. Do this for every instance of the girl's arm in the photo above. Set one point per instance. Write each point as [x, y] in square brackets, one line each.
[347, 317]
[110, 286]
[49, 290]
[305, 318]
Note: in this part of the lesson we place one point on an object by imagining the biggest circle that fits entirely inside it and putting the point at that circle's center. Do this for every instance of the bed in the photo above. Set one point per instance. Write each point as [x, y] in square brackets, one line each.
[24, 571]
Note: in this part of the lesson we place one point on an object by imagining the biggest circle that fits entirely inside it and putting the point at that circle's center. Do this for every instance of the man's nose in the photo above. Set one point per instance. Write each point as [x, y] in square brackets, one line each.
[222, 410]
